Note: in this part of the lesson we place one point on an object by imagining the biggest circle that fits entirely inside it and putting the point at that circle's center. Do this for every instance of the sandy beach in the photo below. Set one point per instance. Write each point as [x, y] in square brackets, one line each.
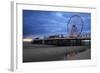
[41, 52]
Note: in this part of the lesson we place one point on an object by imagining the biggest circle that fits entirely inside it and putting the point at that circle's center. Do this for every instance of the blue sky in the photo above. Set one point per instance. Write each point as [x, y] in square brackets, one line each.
[44, 23]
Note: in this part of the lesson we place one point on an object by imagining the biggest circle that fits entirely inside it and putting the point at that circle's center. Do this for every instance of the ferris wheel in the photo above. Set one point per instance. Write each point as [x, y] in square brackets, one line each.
[75, 26]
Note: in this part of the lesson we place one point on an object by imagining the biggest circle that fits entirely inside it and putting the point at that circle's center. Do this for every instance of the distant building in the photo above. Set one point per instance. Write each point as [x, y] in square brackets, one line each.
[27, 39]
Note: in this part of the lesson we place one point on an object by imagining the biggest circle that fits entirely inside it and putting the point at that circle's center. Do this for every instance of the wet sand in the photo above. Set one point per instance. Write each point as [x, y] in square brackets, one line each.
[40, 52]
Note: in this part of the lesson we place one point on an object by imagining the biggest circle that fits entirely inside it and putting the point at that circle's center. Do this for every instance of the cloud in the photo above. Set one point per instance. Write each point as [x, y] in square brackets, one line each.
[49, 22]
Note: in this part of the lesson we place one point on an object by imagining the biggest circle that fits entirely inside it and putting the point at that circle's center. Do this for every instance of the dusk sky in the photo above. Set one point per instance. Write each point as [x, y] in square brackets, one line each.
[44, 23]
